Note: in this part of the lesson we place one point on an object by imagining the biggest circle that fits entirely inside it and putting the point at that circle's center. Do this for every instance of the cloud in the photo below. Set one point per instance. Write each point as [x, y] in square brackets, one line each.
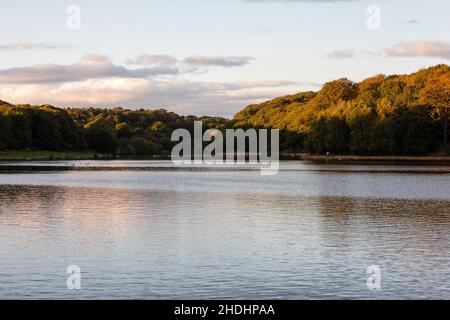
[95, 81]
[420, 48]
[411, 21]
[222, 61]
[153, 59]
[240, 85]
[96, 66]
[341, 54]
[90, 67]
[176, 94]
[32, 46]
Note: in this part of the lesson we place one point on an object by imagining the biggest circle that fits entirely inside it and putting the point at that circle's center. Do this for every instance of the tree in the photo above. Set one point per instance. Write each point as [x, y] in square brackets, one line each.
[46, 131]
[102, 139]
[338, 138]
[123, 130]
[398, 114]
[21, 132]
[436, 95]
[5, 131]
[160, 127]
[335, 91]
[140, 145]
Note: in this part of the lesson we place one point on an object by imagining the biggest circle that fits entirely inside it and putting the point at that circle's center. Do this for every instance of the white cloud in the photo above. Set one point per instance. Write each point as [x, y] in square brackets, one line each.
[420, 48]
[176, 94]
[90, 67]
[96, 81]
[341, 54]
[153, 59]
[221, 61]
[96, 66]
[410, 21]
[32, 46]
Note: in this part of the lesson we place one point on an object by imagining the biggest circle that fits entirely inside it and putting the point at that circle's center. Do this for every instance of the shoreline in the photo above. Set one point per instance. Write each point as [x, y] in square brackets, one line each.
[71, 155]
[41, 155]
[365, 159]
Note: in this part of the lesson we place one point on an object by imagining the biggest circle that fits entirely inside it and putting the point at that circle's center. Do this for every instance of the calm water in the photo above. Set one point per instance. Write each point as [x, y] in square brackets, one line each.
[141, 229]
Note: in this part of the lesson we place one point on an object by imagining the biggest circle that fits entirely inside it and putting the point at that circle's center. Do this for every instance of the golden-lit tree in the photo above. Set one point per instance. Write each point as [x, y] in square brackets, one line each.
[436, 95]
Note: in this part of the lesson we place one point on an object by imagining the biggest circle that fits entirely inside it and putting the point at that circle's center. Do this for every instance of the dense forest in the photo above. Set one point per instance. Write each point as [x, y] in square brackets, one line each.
[382, 115]
[114, 131]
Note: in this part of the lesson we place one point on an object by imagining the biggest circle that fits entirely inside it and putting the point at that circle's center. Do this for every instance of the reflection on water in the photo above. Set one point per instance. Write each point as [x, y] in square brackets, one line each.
[167, 234]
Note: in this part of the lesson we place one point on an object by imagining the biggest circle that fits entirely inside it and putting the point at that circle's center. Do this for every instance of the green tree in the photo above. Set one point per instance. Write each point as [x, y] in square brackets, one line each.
[5, 132]
[102, 139]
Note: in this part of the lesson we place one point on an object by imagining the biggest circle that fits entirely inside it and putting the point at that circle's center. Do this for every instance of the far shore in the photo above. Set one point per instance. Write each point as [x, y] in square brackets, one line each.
[367, 159]
[39, 155]
[27, 155]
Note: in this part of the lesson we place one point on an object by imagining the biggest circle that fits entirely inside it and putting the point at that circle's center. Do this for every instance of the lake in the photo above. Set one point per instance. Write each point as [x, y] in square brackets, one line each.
[154, 230]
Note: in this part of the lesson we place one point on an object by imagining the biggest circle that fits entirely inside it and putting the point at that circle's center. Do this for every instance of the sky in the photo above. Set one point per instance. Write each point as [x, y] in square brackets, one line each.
[208, 57]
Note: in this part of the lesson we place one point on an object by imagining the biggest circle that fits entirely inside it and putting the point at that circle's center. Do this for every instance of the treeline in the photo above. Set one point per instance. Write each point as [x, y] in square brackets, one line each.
[382, 115]
[115, 131]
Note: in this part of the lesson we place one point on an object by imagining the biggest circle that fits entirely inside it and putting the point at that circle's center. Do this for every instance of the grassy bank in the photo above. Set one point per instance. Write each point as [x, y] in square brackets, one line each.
[51, 155]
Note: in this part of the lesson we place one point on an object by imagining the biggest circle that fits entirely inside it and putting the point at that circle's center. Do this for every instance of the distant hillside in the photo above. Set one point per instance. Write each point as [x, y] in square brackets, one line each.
[117, 131]
[397, 114]
[382, 115]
